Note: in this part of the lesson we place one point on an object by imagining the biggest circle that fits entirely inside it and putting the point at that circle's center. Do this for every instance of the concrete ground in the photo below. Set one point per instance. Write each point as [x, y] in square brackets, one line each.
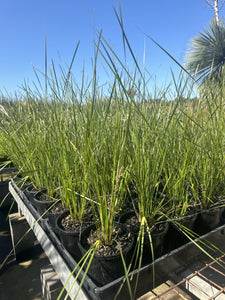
[19, 278]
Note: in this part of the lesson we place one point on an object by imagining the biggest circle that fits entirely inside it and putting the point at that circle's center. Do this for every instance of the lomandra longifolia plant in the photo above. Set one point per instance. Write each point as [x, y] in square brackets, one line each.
[179, 165]
[108, 169]
[207, 186]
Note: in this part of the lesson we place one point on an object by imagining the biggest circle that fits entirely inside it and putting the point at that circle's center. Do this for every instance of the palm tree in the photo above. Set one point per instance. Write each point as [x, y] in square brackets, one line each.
[216, 5]
[206, 56]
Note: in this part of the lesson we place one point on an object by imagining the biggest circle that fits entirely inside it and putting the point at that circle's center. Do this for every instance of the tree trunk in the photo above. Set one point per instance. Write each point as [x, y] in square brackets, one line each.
[216, 9]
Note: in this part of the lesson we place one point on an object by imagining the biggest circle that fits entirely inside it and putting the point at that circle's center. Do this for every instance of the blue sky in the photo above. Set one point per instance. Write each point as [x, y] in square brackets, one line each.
[24, 23]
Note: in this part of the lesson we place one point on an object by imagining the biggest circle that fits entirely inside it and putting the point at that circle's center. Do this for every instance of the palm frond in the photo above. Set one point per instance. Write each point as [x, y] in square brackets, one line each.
[206, 56]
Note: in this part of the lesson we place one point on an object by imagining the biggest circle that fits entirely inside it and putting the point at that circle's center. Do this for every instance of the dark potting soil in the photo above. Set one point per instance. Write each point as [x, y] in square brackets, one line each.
[69, 225]
[120, 234]
[189, 214]
[45, 197]
[133, 225]
[57, 208]
[32, 189]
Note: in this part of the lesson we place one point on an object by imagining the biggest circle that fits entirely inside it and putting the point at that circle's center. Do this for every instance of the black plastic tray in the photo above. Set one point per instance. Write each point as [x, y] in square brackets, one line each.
[148, 276]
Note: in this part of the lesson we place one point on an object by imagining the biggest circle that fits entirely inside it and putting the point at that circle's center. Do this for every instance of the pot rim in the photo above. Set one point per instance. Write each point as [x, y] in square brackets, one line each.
[108, 257]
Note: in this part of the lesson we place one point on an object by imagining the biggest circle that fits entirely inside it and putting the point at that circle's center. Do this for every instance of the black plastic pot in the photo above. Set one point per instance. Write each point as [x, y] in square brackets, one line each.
[209, 219]
[68, 238]
[23, 186]
[176, 237]
[52, 219]
[42, 206]
[158, 236]
[30, 193]
[104, 269]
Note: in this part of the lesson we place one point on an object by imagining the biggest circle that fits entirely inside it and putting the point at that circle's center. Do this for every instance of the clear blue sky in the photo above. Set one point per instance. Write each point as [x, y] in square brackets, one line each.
[24, 23]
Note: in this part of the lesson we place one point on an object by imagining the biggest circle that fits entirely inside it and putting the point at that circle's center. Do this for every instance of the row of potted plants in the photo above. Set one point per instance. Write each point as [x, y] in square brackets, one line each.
[98, 157]
[104, 157]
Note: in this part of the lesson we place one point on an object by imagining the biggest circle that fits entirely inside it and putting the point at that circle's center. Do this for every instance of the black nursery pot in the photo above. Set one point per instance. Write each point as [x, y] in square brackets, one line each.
[30, 193]
[158, 236]
[104, 269]
[176, 237]
[209, 219]
[42, 206]
[68, 238]
[52, 218]
[23, 186]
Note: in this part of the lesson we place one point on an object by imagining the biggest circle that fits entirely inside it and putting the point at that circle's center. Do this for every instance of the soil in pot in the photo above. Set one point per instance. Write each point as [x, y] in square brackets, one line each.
[69, 232]
[107, 264]
[158, 236]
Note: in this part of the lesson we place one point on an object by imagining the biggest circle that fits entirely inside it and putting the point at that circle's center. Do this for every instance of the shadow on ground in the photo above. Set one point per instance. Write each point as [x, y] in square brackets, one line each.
[19, 278]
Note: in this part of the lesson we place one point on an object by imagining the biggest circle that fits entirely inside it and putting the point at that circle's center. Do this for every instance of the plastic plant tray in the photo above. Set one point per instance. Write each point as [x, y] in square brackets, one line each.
[149, 276]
